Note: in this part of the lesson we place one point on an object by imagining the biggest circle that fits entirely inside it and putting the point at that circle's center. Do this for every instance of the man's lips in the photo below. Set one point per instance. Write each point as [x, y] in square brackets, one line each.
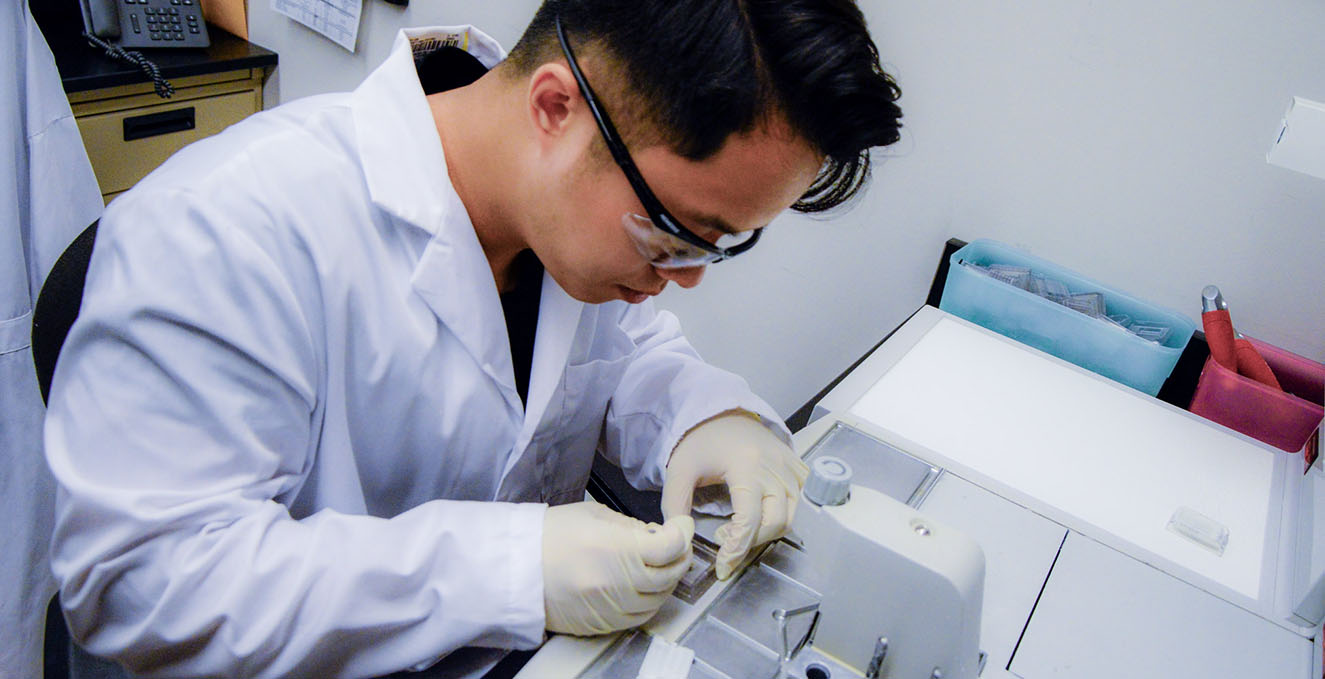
[634, 296]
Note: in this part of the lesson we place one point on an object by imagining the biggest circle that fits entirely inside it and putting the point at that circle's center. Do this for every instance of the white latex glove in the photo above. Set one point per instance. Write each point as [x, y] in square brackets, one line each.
[604, 571]
[763, 477]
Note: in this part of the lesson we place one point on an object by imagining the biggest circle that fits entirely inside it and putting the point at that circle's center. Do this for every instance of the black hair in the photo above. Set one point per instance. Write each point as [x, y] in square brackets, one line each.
[698, 71]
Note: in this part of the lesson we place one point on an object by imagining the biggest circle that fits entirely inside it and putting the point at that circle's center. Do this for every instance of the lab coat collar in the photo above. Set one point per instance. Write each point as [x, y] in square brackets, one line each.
[399, 148]
[454, 279]
[445, 278]
[405, 167]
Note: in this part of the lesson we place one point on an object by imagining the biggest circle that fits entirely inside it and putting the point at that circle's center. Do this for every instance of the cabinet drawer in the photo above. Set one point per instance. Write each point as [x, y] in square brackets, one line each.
[161, 130]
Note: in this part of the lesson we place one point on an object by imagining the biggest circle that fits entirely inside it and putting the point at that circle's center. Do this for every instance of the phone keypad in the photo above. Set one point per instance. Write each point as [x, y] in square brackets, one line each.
[168, 24]
[166, 21]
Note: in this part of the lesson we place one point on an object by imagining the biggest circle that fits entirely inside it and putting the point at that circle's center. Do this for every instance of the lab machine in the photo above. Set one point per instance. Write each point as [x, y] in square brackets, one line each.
[1086, 530]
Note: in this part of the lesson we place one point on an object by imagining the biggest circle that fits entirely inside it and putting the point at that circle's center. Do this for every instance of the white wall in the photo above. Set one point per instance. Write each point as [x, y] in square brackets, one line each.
[1123, 139]
[311, 64]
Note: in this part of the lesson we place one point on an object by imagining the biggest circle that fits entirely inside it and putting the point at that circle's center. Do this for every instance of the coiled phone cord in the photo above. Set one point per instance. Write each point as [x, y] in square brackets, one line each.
[162, 86]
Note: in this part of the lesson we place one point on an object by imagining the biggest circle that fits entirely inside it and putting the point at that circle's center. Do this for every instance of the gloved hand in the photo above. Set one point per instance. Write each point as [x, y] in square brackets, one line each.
[604, 571]
[763, 477]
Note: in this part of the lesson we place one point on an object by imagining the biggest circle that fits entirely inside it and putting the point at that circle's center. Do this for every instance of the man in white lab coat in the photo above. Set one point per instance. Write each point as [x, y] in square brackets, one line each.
[47, 195]
[341, 370]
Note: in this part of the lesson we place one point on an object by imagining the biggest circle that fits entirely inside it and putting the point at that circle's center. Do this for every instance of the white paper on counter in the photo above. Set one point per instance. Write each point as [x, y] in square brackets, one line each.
[1083, 445]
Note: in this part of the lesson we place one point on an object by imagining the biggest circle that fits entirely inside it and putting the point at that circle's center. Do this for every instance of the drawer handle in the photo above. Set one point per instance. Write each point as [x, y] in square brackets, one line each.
[154, 124]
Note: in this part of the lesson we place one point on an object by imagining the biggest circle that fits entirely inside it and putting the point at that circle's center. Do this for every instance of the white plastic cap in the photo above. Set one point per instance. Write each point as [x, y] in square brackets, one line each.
[829, 482]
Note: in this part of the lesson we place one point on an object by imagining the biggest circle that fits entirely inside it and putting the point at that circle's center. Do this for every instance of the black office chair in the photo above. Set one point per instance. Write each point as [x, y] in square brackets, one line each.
[57, 307]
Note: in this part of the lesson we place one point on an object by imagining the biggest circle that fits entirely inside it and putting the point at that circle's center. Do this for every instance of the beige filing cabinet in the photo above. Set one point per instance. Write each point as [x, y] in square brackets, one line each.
[129, 130]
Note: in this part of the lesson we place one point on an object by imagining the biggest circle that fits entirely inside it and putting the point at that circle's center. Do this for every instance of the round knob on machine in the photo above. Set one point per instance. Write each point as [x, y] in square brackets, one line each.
[829, 482]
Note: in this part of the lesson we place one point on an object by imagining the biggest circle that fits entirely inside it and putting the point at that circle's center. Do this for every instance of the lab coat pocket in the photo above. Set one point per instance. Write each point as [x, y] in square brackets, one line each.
[587, 390]
[16, 333]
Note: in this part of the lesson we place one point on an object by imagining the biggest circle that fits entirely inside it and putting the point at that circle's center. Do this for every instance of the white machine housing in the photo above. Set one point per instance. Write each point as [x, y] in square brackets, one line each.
[890, 573]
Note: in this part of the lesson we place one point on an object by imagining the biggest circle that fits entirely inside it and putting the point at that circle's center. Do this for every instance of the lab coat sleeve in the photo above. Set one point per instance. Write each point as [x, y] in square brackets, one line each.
[182, 411]
[667, 390]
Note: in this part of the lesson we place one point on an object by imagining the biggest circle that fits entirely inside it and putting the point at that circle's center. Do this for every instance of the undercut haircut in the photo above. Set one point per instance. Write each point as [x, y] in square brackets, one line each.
[691, 73]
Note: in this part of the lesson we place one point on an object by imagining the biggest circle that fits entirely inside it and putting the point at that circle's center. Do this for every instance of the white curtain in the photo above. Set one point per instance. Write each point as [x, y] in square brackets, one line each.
[47, 195]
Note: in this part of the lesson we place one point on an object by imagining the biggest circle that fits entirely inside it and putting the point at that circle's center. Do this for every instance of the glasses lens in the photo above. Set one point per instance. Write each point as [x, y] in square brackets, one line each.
[666, 251]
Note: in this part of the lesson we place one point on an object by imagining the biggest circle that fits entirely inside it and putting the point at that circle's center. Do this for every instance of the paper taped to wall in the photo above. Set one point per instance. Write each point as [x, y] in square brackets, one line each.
[338, 20]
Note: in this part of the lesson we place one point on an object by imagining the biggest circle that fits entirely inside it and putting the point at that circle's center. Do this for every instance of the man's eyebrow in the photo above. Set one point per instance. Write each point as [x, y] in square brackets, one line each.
[716, 223]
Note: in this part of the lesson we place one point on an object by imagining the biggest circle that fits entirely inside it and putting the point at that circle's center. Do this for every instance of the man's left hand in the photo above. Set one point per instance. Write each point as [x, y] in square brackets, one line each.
[762, 474]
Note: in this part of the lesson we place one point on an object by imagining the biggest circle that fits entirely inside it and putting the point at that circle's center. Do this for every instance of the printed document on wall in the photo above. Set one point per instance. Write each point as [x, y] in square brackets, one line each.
[338, 20]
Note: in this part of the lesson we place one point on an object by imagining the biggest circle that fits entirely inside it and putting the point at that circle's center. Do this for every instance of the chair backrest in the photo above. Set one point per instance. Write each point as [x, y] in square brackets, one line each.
[57, 305]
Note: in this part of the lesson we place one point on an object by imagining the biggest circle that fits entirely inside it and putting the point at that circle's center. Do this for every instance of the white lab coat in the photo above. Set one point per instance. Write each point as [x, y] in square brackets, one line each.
[47, 195]
[286, 423]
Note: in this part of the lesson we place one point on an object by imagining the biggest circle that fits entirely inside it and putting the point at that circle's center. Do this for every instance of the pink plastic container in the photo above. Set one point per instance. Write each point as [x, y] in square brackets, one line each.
[1284, 419]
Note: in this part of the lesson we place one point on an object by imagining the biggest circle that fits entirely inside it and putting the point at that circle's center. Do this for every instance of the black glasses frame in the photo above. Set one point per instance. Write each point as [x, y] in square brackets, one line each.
[661, 218]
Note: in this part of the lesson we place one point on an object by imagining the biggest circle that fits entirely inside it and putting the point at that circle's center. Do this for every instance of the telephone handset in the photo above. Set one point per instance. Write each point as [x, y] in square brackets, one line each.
[146, 23]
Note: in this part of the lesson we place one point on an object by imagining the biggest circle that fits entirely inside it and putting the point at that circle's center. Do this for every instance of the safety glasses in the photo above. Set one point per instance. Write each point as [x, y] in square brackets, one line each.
[659, 237]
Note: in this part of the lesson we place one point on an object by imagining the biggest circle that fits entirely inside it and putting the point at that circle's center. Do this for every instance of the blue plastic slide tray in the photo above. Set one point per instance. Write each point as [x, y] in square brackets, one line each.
[1091, 343]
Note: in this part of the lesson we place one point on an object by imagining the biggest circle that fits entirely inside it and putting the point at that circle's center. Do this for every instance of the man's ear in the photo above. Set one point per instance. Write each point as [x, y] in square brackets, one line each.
[554, 98]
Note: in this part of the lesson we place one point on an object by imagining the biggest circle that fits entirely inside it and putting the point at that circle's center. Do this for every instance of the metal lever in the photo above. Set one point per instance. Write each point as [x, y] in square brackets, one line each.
[876, 661]
[782, 615]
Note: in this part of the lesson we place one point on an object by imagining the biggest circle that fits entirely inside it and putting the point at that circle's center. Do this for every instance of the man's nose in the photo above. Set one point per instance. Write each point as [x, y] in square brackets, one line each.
[686, 277]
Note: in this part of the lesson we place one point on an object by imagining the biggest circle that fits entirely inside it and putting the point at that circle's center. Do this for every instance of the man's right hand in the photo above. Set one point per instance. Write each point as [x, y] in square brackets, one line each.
[604, 571]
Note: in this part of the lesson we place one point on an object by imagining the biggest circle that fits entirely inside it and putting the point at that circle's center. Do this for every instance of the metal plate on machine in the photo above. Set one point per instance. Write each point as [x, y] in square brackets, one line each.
[877, 465]
[1019, 545]
[740, 636]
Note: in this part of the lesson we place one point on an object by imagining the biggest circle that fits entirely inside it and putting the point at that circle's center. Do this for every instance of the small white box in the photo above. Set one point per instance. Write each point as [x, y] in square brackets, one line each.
[1300, 145]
